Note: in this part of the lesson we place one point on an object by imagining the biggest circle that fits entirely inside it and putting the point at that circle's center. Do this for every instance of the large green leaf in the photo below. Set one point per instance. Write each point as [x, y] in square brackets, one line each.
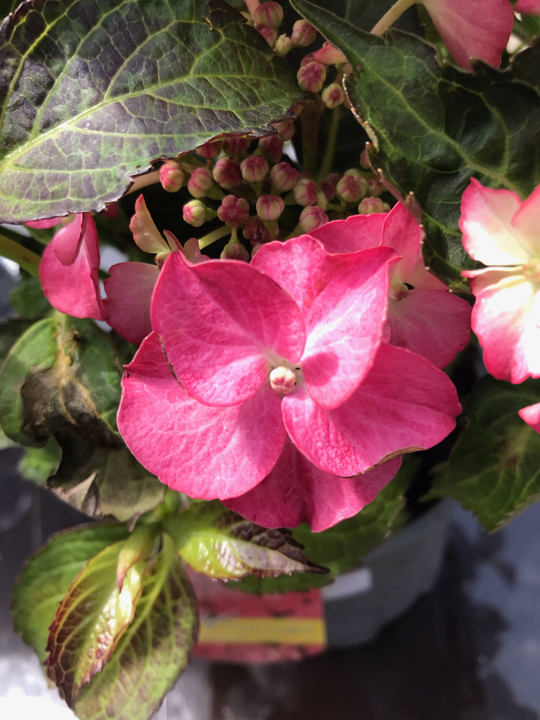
[438, 126]
[152, 652]
[342, 547]
[494, 468]
[91, 92]
[223, 545]
[48, 575]
[365, 14]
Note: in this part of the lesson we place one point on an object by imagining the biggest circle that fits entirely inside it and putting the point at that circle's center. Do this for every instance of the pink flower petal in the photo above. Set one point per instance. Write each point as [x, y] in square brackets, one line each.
[529, 7]
[404, 404]
[506, 319]
[344, 326]
[73, 288]
[44, 224]
[402, 233]
[145, 232]
[206, 452]
[357, 232]
[486, 223]
[531, 415]
[129, 291]
[527, 223]
[296, 492]
[423, 278]
[223, 324]
[472, 30]
[433, 324]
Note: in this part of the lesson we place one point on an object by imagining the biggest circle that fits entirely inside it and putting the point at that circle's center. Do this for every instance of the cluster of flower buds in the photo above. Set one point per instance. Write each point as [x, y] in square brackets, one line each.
[267, 19]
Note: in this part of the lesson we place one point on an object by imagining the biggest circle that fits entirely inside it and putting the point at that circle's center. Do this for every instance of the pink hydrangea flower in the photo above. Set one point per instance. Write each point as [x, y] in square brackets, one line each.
[422, 315]
[529, 7]
[231, 416]
[502, 232]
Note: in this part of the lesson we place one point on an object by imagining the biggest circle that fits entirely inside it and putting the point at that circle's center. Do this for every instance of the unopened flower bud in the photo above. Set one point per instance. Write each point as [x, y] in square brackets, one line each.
[254, 169]
[145, 233]
[312, 218]
[284, 177]
[210, 149]
[271, 148]
[195, 213]
[375, 188]
[398, 291]
[283, 45]
[255, 231]
[305, 192]
[200, 182]
[282, 380]
[227, 173]
[234, 251]
[269, 13]
[310, 57]
[329, 184]
[371, 205]
[112, 212]
[270, 207]
[288, 131]
[233, 211]
[329, 55]
[322, 200]
[236, 147]
[311, 77]
[351, 188]
[268, 33]
[332, 96]
[171, 176]
[303, 34]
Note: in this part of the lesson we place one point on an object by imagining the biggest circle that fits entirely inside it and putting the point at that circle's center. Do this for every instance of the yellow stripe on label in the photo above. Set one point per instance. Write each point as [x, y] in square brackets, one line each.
[285, 631]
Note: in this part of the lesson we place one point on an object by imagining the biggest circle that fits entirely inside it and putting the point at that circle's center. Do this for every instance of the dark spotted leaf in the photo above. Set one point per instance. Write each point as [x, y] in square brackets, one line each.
[494, 468]
[221, 544]
[438, 126]
[92, 92]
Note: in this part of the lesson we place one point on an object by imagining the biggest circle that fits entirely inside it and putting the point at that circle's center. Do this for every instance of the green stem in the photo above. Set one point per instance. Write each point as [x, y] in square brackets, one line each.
[13, 235]
[331, 144]
[207, 240]
[26, 259]
[395, 12]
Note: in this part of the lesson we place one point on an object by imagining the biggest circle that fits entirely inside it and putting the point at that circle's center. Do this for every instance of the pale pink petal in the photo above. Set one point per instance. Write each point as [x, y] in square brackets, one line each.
[470, 29]
[129, 291]
[527, 223]
[192, 252]
[433, 324]
[506, 320]
[44, 224]
[296, 492]
[404, 404]
[74, 288]
[423, 278]
[357, 232]
[486, 224]
[402, 233]
[529, 7]
[223, 324]
[344, 326]
[145, 232]
[531, 415]
[206, 452]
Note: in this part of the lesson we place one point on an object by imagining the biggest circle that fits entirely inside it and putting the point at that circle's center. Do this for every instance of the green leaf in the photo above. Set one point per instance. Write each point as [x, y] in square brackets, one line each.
[91, 619]
[7, 6]
[438, 126]
[221, 544]
[365, 14]
[38, 464]
[342, 547]
[494, 468]
[28, 299]
[91, 94]
[10, 332]
[152, 652]
[47, 576]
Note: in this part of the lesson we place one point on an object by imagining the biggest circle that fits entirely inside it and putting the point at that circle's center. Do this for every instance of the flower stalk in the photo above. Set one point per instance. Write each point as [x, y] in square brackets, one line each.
[26, 259]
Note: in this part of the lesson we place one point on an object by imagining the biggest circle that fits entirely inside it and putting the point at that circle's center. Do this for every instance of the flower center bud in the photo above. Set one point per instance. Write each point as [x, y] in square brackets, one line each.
[532, 270]
[398, 291]
[283, 380]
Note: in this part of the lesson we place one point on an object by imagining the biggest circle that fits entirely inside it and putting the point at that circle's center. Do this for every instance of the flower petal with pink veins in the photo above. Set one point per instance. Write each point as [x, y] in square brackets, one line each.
[486, 224]
[73, 287]
[527, 223]
[357, 232]
[506, 319]
[531, 415]
[44, 224]
[404, 404]
[472, 30]
[296, 492]
[129, 291]
[432, 324]
[529, 7]
[206, 452]
[223, 324]
[402, 233]
[345, 324]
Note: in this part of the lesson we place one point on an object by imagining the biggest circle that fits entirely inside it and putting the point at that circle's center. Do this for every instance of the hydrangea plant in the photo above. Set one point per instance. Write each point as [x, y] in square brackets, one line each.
[313, 202]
